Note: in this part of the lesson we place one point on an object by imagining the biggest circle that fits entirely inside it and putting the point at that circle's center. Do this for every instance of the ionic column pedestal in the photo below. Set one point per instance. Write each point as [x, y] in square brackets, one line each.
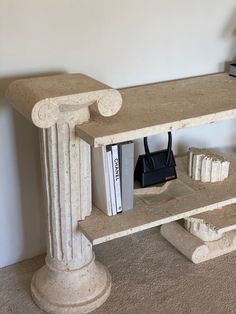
[78, 291]
[71, 281]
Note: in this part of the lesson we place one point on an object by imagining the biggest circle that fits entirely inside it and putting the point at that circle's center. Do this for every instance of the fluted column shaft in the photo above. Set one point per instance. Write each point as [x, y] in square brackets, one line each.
[66, 168]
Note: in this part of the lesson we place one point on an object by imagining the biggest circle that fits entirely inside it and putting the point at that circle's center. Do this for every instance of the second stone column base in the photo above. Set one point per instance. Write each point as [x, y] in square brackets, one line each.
[194, 248]
[76, 291]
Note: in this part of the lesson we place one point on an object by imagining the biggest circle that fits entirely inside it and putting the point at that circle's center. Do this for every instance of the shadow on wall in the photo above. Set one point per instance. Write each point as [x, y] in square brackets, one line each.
[23, 206]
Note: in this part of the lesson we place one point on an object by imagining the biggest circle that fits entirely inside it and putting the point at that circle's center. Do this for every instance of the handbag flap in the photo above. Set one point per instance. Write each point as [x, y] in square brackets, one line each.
[159, 161]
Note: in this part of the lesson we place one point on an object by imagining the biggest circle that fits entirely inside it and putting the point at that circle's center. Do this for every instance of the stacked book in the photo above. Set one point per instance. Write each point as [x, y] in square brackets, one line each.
[112, 177]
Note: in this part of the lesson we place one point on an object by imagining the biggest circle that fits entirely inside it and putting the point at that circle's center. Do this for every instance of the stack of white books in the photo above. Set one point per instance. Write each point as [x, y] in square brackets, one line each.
[112, 177]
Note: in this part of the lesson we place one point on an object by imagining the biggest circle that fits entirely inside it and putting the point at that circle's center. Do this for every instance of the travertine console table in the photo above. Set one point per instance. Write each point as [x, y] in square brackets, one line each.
[73, 112]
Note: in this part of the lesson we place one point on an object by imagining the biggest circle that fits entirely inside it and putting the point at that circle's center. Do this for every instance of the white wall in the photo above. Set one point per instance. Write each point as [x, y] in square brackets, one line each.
[121, 43]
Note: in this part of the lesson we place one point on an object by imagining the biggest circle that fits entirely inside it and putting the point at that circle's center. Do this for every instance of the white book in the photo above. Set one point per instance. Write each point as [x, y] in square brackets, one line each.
[111, 183]
[116, 172]
[100, 180]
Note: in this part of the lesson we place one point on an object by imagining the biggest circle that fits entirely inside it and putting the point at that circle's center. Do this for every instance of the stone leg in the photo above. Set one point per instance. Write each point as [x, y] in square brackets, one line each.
[71, 281]
[193, 247]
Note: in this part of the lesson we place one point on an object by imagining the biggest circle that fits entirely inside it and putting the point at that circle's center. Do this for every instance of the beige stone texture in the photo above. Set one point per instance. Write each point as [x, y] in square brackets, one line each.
[212, 225]
[201, 229]
[71, 281]
[204, 236]
[44, 99]
[207, 166]
[181, 198]
[222, 219]
[160, 107]
[193, 247]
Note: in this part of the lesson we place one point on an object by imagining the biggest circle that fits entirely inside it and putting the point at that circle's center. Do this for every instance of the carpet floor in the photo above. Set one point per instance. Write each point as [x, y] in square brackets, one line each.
[149, 276]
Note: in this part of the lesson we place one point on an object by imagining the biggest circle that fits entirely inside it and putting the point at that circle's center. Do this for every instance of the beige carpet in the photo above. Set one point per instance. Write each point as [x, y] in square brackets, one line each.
[149, 276]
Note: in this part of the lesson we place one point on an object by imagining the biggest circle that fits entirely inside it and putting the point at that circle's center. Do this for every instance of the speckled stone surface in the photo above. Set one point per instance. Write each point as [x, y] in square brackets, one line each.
[160, 107]
[149, 276]
[183, 198]
[71, 281]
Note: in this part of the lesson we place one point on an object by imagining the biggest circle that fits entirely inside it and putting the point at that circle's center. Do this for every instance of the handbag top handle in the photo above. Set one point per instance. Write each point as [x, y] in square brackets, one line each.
[149, 156]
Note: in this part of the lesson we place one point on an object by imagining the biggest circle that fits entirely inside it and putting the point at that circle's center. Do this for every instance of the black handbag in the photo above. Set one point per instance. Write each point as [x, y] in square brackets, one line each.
[157, 167]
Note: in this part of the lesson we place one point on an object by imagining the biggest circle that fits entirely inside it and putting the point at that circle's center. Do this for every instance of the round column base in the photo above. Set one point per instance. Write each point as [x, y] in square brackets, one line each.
[77, 291]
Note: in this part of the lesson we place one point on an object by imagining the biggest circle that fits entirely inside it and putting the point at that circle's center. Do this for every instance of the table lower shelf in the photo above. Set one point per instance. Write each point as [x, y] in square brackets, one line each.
[184, 197]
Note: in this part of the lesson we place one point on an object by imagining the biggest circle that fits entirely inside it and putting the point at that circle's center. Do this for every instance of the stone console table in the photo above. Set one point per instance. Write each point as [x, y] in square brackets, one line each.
[73, 112]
